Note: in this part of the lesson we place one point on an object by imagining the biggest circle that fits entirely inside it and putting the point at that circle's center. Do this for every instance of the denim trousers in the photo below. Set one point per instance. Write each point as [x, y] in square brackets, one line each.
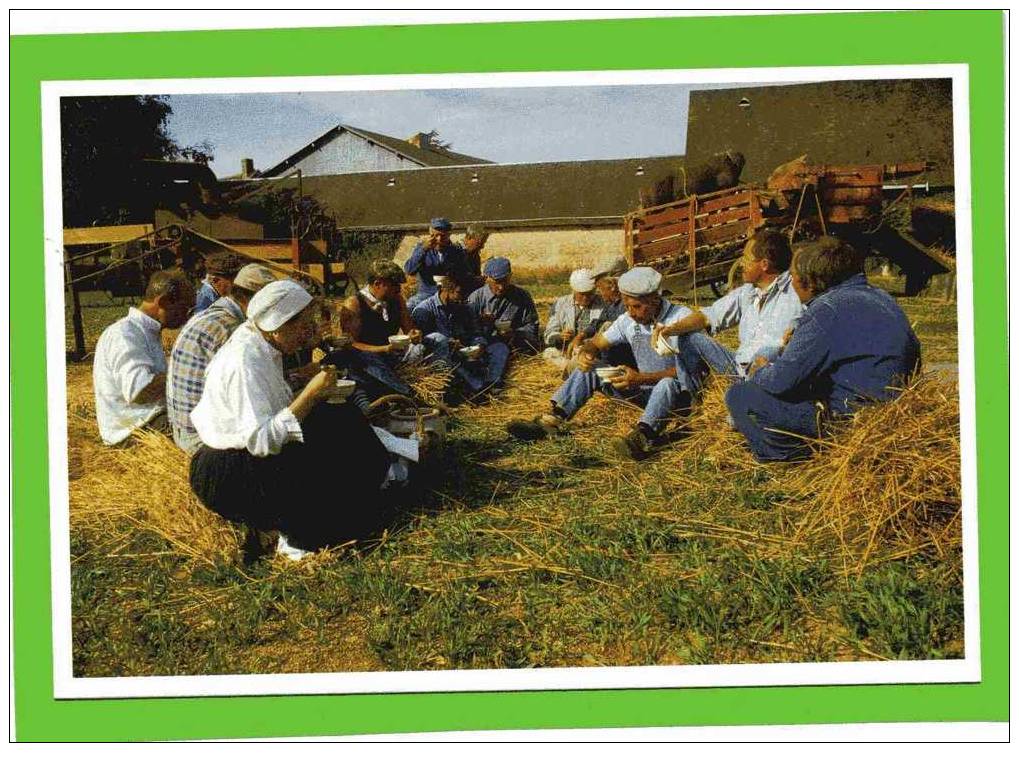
[662, 401]
[775, 429]
[477, 374]
[376, 373]
[698, 348]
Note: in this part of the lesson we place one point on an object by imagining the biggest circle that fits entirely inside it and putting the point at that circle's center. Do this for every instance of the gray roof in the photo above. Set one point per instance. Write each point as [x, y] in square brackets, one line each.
[848, 122]
[596, 192]
[425, 157]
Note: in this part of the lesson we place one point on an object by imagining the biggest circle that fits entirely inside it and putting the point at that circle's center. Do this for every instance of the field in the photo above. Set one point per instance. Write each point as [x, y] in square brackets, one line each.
[544, 554]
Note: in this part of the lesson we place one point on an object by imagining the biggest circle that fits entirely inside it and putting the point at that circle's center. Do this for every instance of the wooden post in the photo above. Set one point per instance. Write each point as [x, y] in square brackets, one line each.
[76, 321]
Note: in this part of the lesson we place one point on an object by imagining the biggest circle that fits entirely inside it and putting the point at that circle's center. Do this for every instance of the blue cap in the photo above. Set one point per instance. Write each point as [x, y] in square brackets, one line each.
[497, 268]
[440, 223]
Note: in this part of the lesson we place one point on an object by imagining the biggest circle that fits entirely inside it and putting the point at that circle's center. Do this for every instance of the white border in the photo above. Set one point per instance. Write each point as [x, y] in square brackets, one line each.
[68, 686]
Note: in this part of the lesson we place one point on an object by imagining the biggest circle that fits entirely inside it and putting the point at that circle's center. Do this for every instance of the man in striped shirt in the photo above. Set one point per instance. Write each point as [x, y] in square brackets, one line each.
[198, 341]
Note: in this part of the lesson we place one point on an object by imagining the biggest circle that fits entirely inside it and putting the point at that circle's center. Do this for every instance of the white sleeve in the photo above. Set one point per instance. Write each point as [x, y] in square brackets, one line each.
[726, 311]
[616, 333]
[265, 430]
[130, 365]
[270, 436]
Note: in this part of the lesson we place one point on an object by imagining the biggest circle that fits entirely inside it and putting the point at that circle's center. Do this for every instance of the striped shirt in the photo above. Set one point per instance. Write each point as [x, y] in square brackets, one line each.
[198, 341]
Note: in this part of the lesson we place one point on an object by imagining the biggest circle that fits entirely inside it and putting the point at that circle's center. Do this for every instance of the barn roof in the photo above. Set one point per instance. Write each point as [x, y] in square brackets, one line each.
[550, 193]
[848, 122]
[432, 156]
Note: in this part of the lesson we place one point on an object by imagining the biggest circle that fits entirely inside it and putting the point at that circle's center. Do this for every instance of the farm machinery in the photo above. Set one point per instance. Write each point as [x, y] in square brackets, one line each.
[698, 240]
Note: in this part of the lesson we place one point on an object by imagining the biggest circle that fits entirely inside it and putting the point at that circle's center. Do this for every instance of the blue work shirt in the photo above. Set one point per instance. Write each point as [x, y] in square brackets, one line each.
[852, 343]
[515, 305]
[427, 263]
[205, 297]
[763, 315]
[455, 321]
[626, 330]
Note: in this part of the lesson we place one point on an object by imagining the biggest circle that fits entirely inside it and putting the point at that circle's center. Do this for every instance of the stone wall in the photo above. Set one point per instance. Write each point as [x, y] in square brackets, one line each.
[530, 248]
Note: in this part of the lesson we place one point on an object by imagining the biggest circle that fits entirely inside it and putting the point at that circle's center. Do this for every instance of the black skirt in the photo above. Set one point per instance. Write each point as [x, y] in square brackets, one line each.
[319, 492]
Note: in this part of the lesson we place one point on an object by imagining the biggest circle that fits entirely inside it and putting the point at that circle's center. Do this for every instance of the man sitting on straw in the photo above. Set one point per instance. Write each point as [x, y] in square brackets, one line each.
[606, 282]
[200, 339]
[658, 384]
[129, 368]
[765, 307]
[505, 311]
[220, 269]
[571, 318]
[435, 255]
[371, 317]
[454, 337]
[852, 346]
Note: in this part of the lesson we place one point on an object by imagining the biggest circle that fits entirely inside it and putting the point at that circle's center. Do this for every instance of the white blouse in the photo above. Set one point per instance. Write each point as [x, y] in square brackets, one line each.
[245, 400]
[128, 357]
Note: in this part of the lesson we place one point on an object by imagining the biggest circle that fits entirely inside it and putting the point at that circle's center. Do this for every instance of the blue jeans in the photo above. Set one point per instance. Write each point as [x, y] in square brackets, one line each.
[660, 402]
[698, 348]
[478, 374]
[376, 373]
[775, 429]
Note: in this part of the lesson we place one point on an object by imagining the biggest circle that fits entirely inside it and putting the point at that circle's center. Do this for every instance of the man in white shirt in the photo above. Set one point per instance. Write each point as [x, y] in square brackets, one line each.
[129, 368]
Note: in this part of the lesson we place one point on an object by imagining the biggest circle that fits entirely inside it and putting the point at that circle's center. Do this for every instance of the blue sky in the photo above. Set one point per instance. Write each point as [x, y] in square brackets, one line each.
[504, 125]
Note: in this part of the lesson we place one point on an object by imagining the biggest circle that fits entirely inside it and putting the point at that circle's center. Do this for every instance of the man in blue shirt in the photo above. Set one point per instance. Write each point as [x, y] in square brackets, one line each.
[764, 307]
[657, 384]
[436, 255]
[852, 346]
[220, 270]
[453, 336]
[505, 311]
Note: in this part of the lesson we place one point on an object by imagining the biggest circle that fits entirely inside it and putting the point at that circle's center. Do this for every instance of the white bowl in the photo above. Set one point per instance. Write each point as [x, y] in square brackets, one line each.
[662, 347]
[439, 280]
[606, 374]
[503, 325]
[400, 341]
[344, 388]
[470, 351]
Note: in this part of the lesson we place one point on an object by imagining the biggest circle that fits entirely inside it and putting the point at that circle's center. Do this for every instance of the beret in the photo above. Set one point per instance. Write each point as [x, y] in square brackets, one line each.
[581, 281]
[497, 268]
[640, 281]
[253, 277]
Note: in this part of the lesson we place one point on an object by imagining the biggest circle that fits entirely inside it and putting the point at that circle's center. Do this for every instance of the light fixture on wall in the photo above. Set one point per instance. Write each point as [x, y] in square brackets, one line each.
[744, 102]
[474, 177]
[640, 170]
[391, 182]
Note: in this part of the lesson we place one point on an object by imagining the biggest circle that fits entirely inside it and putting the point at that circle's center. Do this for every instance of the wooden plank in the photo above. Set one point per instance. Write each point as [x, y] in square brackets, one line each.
[679, 211]
[106, 234]
[649, 233]
[724, 202]
[678, 243]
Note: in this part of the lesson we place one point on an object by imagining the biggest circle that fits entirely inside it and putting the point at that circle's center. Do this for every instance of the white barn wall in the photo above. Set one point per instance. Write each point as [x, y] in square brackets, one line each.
[349, 153]
[530, 248]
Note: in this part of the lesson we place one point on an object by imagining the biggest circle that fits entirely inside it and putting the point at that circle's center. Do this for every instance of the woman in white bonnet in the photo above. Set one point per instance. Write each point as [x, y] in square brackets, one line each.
[273, 460]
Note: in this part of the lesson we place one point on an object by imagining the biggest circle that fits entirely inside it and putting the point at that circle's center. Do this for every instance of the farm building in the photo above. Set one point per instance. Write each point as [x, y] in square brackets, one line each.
[557, 214]
[851, 122]
[346, 149]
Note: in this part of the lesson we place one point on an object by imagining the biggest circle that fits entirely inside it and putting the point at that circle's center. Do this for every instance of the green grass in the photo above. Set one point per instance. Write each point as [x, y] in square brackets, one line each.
[526, 555]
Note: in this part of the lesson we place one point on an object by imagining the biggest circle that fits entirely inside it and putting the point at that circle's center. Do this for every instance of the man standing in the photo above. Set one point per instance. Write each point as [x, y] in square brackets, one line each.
[200, 339]
[220, 270]
[573, 319]
[436, 255]
[454, 337]
[661, 387]
[505, 311]
[765, 307]
[852, 346]
[370, 317]
[129, 367]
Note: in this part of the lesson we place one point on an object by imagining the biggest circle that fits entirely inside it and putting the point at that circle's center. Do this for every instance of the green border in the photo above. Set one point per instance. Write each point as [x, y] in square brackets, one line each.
[914, 37]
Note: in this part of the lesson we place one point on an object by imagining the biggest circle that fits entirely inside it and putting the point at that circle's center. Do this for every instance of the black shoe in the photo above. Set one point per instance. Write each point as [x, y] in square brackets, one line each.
[636, 444]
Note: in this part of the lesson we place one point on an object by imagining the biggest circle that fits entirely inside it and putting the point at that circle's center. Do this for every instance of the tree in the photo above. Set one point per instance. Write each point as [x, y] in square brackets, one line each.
[104, 141]
[436, 141]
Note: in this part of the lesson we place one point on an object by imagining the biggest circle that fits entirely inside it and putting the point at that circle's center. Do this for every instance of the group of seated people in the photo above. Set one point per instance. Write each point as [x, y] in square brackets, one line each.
[816, 341]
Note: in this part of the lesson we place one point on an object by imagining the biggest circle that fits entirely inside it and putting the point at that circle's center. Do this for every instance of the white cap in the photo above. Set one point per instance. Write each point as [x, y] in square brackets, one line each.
[581, 281]
[253, 277]
[277, 303]
[640, 281]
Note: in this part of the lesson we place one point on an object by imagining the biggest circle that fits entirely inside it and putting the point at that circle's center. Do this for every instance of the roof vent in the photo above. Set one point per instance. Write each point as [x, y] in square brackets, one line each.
[391, 182]
[744, 102]
[474, 177]
[640, 170]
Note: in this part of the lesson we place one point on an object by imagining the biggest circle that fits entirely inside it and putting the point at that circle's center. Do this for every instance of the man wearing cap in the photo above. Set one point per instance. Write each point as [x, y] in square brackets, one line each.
[474, 241]
[572, 316]
[657, 384]
[606, 282]
[277, 460]
[129, 368]
[436, 255]
[220, 270]
[505, 311]
[370, 317]
[765, 307]
[450, 328]
[200, 339]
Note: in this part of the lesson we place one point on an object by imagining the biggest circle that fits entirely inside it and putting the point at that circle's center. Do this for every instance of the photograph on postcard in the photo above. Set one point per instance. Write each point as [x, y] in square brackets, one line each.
[513, 381]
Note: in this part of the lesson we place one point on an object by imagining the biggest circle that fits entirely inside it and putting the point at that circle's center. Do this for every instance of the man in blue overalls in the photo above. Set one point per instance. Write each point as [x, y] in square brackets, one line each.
[435, 255]
[852, 346]
[657, 384]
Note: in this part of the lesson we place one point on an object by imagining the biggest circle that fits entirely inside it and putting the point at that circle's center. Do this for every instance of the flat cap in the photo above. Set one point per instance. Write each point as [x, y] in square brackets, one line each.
[277, 303]
[581, 281]
[440, 223]
[640, 281]
[497, 268]
[253, 277]
[223, 263]
[609, 266]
